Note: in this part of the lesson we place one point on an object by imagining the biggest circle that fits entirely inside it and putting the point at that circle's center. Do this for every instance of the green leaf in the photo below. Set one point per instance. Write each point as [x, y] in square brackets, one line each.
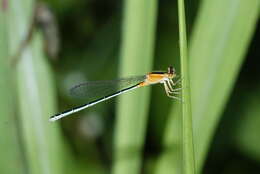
[219, 42]
[41, 140]
[137, 58]
[10, 147]
[188, 153]
[220, 38]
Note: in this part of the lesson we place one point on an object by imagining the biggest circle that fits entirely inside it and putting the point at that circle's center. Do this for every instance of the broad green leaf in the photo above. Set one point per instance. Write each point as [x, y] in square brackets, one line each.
[220, 38]
[42, 145]
[219, 42]
[10, 147]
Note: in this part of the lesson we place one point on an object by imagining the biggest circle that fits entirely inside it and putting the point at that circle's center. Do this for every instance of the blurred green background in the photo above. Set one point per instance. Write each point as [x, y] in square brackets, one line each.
[48, 47]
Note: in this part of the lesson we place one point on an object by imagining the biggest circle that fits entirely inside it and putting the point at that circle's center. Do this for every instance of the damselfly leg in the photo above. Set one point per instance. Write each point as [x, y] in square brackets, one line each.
[169, 88]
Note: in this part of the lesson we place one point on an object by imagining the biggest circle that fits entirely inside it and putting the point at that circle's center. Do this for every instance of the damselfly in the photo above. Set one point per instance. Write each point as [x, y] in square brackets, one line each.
[104, 90]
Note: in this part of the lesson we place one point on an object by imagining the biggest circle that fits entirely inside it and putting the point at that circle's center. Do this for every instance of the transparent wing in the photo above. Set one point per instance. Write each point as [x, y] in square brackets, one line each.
[96, 89]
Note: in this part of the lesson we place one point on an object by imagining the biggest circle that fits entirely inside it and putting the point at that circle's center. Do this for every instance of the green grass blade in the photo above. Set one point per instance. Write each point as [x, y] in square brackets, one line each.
[137, 54]
[219, 43]
[221, 36]
[36, 103]
[10, 147]
[41, 139]
[188, 153]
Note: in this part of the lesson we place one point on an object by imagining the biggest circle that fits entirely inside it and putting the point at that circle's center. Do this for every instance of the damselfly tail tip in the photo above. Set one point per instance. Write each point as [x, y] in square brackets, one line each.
[53, 118]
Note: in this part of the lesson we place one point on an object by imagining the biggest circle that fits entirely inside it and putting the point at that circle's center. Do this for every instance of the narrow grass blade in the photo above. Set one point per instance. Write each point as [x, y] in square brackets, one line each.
[220, 39]
[188, 153]
[136, 53]
[10, 147]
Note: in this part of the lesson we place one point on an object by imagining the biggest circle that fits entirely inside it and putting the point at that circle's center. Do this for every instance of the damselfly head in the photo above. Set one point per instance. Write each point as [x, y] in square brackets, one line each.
[171, 72]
